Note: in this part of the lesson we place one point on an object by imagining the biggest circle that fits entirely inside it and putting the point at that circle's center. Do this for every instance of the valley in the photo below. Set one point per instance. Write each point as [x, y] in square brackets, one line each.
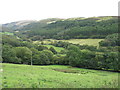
[61, 53]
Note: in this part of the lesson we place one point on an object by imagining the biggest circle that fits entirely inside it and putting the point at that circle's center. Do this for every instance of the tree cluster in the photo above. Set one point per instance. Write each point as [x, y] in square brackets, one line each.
[83, 56]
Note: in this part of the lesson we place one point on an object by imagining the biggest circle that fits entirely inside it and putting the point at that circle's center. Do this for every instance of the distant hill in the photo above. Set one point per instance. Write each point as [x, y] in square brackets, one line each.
[27, 24]
[94, 27]
[16, 25]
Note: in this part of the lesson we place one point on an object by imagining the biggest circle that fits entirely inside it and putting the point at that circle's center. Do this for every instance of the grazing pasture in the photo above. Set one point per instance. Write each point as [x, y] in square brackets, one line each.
[92, 42]
[56, 76]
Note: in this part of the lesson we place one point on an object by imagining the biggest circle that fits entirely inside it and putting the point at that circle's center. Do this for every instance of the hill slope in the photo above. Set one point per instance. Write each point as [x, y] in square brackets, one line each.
[79, 28]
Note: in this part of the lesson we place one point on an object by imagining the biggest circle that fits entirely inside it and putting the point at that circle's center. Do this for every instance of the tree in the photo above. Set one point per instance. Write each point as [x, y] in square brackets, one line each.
[40, 48]
[11, 40]
[36, 59]
[87, 59]
[53, 50]
[8, 54]
[24, 54]
[111, 61]
[111, 40]
[74, 55]
[44, 60]
[49, 54]
[44, 57]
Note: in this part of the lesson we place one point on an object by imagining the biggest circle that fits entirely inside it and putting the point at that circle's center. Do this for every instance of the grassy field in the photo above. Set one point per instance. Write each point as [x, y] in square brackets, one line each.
[58, 49]
[56, 76]
[94, 42]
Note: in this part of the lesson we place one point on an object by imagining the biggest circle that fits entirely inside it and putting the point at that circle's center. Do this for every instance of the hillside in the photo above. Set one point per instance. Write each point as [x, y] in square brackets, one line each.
[16, 25]
[77, 28]
[26, 24]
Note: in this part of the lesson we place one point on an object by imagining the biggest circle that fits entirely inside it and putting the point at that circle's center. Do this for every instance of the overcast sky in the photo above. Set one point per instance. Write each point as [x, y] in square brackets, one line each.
[15, 10]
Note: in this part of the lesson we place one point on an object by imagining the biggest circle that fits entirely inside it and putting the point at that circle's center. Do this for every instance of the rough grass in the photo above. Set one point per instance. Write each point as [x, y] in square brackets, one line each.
[56, 76]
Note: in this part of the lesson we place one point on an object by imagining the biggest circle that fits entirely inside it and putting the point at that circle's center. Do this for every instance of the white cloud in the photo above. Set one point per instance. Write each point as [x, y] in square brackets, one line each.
[15, 10]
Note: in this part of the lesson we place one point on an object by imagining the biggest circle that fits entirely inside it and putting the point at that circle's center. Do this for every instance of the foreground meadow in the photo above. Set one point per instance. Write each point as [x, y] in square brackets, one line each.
[56, 76]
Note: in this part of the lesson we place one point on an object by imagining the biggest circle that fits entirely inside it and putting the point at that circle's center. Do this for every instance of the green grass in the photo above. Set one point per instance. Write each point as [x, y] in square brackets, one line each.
[94, 42]
[56, 76]
[58, 49]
